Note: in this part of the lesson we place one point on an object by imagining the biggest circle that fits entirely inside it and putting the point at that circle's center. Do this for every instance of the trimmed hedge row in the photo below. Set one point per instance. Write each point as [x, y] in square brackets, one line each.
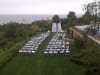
[8, 54]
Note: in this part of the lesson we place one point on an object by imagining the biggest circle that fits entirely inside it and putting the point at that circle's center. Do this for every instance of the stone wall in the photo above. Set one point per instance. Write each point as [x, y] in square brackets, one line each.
[91, 40]
[75, 33]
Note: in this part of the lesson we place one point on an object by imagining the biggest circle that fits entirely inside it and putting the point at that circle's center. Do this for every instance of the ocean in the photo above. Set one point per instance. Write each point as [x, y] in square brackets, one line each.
[26, 19]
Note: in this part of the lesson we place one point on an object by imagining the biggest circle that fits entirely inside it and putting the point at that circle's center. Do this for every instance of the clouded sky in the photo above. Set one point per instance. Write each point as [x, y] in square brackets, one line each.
[41, 6]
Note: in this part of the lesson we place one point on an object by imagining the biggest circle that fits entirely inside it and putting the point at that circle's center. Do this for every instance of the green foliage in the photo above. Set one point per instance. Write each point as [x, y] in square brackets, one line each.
[13, 33]
[8, 54]
[71, 14]
[10, 35]
[87, 18]
[43, 25]
[3, 44]
[71, 18]
[41, 64]
[10, 30]
[56, 19]
[79, 43]
[89, 57]
[64, 23]
[92, 59]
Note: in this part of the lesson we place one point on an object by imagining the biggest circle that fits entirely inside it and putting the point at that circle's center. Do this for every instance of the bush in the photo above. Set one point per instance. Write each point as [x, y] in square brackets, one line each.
[8, 54]
[79, 43]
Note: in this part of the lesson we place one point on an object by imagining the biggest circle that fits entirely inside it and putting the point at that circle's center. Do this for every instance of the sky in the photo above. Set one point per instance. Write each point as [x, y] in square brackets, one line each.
[42, 6]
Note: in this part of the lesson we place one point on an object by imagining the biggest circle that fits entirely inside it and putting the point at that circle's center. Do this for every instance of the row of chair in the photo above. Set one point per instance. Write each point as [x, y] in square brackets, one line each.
[57, 45]
[32, 45]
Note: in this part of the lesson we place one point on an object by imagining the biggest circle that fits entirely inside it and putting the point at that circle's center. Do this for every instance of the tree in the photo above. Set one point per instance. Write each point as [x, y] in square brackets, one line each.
[94, 9]
[87, 18]
[56, 18]
[10, 31]
[3, 44]
[71, 14]
[43, 25]
[71, 17]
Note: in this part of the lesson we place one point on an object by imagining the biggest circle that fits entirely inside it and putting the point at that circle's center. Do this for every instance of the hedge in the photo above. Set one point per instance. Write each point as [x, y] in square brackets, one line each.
[8, 54]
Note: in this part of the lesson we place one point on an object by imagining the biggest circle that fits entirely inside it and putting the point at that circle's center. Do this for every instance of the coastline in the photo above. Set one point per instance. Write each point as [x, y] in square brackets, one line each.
[25, 19]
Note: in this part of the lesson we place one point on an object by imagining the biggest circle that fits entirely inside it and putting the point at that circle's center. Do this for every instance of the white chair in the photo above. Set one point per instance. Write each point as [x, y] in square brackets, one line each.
[67, 43]
[33, 51]
[29, 51]
[67, 46]
[47, 49]
[45, 52]
[67, 51]
[50, 52]
[55, 52]
[20, 51]
[58, 49]
[61, 52]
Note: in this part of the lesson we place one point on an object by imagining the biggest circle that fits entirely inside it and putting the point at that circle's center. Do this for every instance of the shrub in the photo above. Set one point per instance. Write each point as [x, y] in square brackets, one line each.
[80, 43]
[8, 54]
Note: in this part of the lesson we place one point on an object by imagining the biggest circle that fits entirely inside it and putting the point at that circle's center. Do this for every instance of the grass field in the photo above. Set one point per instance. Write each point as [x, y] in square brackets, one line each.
[40, 64]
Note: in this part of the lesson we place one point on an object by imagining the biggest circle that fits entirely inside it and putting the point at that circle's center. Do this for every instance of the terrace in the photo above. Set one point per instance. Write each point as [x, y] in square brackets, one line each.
[92, 32]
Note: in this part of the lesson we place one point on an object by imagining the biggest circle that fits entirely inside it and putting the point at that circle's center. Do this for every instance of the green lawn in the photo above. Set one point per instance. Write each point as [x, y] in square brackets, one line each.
[40, 64]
